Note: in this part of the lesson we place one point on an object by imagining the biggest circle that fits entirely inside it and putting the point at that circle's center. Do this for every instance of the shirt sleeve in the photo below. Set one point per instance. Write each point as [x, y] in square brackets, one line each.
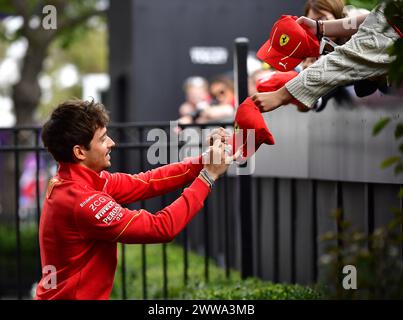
[102, 218]
[364, 56]
[127, 188]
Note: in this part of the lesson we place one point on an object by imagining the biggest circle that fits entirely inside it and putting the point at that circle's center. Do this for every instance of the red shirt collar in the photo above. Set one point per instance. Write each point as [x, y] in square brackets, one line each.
[81, 174]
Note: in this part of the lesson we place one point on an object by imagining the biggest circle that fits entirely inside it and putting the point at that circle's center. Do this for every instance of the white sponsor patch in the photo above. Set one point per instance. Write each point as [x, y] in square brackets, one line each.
[97, 203]
[116, 213]
[82, 204]
[105, 208]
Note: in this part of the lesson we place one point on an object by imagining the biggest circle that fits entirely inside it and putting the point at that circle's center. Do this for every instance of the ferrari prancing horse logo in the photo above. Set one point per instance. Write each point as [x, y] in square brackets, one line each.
[284, 39]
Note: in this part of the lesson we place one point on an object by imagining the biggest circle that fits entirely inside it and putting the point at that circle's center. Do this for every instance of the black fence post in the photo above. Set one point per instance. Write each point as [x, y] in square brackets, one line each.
[245, 181]
[17, 214]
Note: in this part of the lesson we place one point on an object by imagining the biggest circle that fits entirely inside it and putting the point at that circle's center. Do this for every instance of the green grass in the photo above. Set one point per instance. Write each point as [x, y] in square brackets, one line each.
[175, 272]
[218, 286]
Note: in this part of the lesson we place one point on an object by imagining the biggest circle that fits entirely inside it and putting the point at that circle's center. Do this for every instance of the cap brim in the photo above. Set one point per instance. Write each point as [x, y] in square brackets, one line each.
[277, 60]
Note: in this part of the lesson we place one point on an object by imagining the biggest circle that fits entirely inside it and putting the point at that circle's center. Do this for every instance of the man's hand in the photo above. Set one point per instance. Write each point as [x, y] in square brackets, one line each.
[218, 134]
[218, 158]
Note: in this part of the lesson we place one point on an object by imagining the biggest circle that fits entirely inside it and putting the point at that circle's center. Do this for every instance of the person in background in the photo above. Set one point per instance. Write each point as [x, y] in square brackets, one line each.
[197, 99]
[256, 76]
[223, 101]
[324, 10]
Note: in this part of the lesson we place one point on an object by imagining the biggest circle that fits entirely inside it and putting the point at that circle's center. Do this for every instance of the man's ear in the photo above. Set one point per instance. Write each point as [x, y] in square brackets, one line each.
[79, 152]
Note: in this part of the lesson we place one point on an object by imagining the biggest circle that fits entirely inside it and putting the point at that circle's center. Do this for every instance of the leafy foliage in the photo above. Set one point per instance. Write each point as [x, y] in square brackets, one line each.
[395, 160]
[380, 125]
[377, 258]
[365, 4]
[389, 161]
[75, 21]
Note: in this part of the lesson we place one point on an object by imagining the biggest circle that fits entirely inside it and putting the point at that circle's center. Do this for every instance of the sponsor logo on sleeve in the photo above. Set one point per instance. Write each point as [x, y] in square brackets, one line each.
[82, 204]
[97, 203]
[104, 209]
[115, 214]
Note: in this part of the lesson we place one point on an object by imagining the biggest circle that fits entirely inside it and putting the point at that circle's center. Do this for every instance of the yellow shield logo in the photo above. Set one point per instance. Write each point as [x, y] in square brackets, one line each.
[284, 39]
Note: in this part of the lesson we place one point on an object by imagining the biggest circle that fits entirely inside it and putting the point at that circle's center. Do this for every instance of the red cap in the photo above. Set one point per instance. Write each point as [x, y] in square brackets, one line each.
[275, 81]
[248, 116]
[289, 43]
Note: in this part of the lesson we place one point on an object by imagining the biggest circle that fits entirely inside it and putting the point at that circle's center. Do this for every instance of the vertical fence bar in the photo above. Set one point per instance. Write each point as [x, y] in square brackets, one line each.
[226, 228]
[401, 225]
[293, 230]
[275, 230]
[17, 214]
[369, 199]
[339, 219]
[241, 88]
[121, 100]
[259, 224]
[164, 247]
[164, 261]
[38, 193]
[123, 270]
[143, 270]
[185, 256]
[164, 272]
[123, 168]
[206, 242]
[370, 211]
[143, 246]
[206, 234]
[339, 200]
[314, 231]
[37, 186]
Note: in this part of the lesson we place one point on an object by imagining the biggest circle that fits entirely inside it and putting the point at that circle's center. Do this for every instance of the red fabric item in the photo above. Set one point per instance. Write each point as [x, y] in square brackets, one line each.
[276, 81]
[289, 43]
[248, 116]
[82, 221]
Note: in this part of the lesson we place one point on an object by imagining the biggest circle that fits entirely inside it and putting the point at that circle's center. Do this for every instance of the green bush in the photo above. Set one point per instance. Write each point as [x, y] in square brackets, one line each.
[29, 255]
[218, 286]
[249, 289]
[376, 257]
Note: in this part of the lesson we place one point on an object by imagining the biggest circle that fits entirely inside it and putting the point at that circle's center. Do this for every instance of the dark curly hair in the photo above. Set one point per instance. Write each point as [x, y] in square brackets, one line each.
[73, 122]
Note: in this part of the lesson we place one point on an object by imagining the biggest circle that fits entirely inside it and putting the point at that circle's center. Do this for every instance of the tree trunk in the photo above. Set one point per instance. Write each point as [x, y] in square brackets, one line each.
[26, 97]
[27, 93]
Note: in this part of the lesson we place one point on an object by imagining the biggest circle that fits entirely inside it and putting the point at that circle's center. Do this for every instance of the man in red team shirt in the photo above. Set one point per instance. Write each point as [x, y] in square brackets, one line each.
[82, 218]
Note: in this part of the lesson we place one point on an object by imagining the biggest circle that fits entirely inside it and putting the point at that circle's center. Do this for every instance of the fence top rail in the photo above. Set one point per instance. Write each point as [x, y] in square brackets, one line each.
[117, 125]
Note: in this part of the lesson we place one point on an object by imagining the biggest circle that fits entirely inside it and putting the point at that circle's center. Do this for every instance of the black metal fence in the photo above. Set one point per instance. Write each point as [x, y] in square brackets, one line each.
[287, 215]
